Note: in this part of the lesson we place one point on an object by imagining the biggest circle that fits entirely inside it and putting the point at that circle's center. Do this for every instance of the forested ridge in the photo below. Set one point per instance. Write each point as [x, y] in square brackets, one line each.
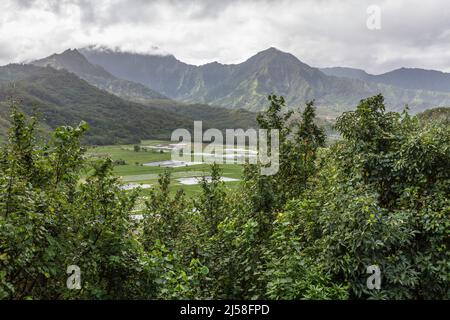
[378, 196]
[59, 98]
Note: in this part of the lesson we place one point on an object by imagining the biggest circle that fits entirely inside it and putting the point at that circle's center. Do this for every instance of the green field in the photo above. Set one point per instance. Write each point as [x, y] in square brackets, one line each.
[134, 172]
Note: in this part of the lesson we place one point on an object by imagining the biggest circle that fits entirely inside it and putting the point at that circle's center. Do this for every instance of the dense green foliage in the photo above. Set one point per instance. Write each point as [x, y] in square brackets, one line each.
[436, 114]
[379, 196]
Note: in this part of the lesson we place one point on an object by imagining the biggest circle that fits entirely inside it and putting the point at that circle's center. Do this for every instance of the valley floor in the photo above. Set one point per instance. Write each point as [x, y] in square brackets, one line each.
[141, 168]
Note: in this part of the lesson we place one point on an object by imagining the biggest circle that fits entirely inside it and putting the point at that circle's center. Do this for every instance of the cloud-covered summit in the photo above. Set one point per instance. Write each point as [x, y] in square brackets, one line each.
[322, 33]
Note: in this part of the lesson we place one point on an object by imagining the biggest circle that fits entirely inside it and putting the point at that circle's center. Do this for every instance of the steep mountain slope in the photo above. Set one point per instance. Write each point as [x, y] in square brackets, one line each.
[407, 78]
[247, 84]
[212, 117]
[165, 74]
[73, 61]
[344, 72]
[413, 78]
[60, 97]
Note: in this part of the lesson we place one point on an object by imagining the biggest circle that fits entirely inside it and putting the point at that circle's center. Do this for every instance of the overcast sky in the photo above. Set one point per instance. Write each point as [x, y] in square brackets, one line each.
[414, 33]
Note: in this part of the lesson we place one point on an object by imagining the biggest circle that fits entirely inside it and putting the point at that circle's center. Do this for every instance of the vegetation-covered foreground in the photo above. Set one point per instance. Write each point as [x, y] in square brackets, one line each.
[379, 196]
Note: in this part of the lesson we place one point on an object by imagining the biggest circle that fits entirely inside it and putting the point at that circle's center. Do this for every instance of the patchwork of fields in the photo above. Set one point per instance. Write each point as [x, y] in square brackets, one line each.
[134, 167]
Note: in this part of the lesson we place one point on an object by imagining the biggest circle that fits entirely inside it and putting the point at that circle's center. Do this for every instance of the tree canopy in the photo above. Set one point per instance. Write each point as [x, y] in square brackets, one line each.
[378, 196]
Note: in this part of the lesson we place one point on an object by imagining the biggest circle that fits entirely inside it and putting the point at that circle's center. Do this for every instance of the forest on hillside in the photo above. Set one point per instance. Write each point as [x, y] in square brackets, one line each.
[59, 97]
[377, 196]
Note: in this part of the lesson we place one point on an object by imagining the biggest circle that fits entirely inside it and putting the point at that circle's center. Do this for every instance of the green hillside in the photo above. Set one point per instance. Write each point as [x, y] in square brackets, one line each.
[213, 117]
[60, 97]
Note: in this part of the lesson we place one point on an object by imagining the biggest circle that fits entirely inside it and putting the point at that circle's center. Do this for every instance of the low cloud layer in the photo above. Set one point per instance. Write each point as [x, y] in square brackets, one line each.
[414, 33]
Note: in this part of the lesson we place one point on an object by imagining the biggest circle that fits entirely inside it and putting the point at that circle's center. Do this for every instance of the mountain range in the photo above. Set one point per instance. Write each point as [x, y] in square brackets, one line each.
[127, 96]
[407, 78]
[73, 61]
[60, 97]
[247, 84]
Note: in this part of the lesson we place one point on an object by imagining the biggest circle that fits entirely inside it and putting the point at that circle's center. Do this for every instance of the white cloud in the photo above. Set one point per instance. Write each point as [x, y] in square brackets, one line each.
[413, 33]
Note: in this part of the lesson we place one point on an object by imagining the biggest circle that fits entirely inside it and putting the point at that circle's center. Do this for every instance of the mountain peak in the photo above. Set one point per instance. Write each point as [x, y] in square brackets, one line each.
[275, 56]
[73, 61]
[73, 52]
[272, 51]
[60, 60]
